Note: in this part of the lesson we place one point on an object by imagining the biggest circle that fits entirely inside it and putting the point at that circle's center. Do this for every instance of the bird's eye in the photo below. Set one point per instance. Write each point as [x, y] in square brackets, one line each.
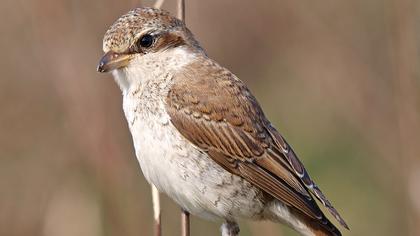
[145, 41]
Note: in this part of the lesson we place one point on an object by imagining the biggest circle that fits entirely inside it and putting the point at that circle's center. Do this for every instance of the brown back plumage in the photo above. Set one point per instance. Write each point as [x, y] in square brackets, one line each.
[214, 110]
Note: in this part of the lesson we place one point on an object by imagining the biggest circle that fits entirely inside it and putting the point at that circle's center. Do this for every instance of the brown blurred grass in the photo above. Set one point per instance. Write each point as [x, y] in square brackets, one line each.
[340, 79]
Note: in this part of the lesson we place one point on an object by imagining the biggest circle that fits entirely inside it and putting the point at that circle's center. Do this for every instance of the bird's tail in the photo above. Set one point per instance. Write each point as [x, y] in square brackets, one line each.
[305, 225]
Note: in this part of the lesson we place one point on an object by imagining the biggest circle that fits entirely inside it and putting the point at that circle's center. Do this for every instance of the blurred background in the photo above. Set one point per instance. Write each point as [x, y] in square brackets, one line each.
[339, 79]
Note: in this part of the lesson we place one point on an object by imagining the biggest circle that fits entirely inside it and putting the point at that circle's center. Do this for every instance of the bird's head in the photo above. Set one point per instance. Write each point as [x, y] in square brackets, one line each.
[140, 34]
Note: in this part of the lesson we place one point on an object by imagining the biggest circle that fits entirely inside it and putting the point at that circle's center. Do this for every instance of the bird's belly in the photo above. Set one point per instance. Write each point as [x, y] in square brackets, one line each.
[189, 176]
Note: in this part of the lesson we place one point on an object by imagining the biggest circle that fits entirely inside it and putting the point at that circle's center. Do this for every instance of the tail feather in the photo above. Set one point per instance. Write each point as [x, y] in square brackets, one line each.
[321, 197]
[302, 223]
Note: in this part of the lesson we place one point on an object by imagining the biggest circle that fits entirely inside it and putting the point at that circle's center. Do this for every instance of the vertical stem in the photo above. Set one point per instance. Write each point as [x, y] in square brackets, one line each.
[185, 222]
[155, 192]
[181, 10]
[185, 215]
[158, 3]
[156, 211]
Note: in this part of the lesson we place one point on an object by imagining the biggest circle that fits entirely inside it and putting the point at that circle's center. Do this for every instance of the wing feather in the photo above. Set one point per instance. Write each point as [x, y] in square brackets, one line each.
[217, 113]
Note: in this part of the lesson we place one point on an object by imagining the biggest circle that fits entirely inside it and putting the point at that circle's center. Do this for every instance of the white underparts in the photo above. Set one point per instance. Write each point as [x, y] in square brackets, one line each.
[278, 211]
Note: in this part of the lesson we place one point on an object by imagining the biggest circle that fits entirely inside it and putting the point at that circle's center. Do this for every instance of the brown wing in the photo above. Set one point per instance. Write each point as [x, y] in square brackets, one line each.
[215, 111]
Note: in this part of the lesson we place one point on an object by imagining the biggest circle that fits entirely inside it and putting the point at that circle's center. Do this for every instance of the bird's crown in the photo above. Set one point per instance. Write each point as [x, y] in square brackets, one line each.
[129, 27]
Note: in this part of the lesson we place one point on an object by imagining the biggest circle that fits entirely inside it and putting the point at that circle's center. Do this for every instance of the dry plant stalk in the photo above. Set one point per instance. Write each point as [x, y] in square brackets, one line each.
[185, 215]
[156, 211]
[155, 193]
[158, 4]
[181, 10]
[185, 223]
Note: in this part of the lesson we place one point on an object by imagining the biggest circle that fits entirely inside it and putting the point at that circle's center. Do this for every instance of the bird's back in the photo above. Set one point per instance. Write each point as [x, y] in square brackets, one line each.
[213, 109]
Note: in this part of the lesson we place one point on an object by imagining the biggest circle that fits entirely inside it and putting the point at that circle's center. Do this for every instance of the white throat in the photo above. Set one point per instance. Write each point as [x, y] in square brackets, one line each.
[152, 66]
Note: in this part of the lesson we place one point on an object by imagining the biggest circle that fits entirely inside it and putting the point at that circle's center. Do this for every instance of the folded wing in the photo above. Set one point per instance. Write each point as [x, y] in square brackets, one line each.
[215, 111]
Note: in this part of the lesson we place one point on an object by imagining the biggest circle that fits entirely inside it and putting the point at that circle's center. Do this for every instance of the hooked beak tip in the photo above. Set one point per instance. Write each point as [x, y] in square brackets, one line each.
[112, 60]
[100, 67]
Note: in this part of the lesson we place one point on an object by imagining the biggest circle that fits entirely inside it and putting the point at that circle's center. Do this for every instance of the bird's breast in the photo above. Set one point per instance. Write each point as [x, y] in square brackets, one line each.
[181, 170]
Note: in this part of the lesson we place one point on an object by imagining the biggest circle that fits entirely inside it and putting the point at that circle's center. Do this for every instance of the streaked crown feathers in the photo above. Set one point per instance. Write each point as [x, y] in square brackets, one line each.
[128, 28]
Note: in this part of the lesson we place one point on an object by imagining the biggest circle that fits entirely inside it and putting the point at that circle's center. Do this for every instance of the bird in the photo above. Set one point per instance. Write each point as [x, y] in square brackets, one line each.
[199, 134]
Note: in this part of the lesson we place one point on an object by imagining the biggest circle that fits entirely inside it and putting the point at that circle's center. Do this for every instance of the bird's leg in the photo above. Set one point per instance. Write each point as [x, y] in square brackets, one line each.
[185, 223]
[156, 211]
[230, 228]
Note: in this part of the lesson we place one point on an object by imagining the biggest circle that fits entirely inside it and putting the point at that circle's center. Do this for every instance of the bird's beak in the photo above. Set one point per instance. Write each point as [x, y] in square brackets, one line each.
[112, 60]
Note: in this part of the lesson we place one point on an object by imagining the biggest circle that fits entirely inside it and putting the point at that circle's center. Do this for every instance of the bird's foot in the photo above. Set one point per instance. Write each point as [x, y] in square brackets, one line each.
[230, 228]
